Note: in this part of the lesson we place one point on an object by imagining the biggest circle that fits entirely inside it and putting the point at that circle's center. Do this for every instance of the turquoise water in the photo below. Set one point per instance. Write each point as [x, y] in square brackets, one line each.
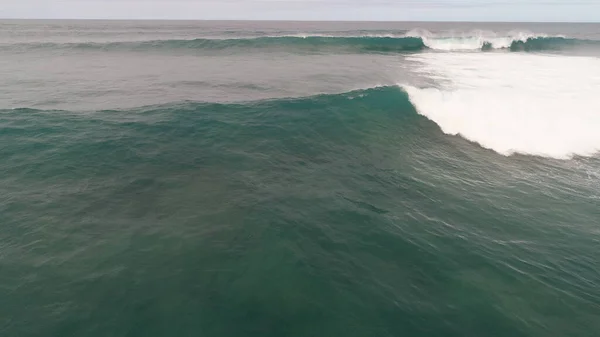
[342, 213]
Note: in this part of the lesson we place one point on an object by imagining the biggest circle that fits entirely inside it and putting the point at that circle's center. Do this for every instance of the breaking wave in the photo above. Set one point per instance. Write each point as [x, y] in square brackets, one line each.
[551, 111]
[491, 106]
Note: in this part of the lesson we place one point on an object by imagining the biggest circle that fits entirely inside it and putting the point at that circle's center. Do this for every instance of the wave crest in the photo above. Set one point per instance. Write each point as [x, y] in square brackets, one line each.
[481, 40]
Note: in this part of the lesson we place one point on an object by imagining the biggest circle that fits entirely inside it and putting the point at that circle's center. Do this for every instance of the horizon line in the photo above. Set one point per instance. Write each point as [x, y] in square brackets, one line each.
[298, 20]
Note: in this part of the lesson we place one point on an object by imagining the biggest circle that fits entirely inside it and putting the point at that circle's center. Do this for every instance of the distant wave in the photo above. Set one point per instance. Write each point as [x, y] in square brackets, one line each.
[351, 43]
[411, 42]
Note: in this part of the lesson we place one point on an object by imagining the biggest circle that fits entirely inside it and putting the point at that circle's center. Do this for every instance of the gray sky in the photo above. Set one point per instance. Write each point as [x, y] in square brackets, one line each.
[376, 10]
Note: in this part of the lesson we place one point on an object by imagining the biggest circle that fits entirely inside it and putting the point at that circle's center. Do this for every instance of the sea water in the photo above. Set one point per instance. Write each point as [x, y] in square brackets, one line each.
[299, 179]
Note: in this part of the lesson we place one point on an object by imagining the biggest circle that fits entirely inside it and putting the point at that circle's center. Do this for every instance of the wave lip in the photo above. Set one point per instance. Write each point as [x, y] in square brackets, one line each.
[512, 103]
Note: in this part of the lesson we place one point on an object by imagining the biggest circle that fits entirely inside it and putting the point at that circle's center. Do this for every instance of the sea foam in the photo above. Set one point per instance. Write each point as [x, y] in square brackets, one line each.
[514, 103]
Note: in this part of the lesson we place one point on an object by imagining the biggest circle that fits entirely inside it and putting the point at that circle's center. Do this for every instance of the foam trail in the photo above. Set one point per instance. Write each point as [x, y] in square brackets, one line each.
[514, 103]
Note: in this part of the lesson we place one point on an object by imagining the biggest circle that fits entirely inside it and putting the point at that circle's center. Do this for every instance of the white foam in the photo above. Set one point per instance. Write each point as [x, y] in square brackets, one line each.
[514, 103]
[474, 40]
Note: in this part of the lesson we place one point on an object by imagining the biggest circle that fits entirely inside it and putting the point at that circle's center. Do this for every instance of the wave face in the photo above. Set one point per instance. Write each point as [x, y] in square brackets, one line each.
[412, 42]
[531, 104]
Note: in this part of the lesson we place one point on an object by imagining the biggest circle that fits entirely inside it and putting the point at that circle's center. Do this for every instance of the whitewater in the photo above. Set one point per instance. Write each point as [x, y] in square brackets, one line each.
[530, 104]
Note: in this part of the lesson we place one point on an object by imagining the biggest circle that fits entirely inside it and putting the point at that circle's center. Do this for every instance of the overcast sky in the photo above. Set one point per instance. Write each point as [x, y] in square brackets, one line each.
[376, 10]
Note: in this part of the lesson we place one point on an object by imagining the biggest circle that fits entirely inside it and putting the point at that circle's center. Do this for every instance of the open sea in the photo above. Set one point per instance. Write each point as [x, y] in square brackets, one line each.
[225, 179]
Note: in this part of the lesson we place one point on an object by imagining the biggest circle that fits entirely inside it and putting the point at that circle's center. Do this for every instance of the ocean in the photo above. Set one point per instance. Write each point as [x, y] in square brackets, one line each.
[299, 179]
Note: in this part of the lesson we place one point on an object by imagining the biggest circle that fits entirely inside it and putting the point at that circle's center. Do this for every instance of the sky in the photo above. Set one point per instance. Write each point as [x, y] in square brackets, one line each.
[350, 10]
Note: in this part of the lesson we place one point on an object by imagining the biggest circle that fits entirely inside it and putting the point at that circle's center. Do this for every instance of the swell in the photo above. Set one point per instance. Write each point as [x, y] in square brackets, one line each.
[364, 44]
